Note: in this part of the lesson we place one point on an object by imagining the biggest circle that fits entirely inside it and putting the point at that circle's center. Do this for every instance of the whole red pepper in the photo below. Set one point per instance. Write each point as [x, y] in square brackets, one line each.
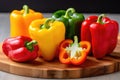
[102, 32]
[20, 49]
[85, 29]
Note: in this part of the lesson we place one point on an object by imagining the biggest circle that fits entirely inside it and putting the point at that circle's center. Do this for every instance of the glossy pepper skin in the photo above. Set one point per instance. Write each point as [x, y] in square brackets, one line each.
[20, 21]
[48, 33]
[85, 28]
[20, 48]
[104, 32]
[72, 21]
[73, 52]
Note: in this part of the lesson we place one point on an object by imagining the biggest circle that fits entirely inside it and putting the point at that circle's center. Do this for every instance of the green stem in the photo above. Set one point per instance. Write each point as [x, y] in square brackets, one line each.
[69, 10]
[26, 9]
[29, 45]
[75, 39]
[46, 24]
[99, 20]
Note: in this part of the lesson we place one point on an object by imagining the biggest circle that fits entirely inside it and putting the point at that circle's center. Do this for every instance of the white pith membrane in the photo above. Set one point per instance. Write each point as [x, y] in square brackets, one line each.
[74, 50]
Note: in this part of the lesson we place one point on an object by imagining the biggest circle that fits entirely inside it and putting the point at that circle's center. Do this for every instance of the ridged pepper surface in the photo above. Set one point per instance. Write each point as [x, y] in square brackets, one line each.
[20, 21]
[48, 33]
[72, 21]
[20, 48]
[102, 32]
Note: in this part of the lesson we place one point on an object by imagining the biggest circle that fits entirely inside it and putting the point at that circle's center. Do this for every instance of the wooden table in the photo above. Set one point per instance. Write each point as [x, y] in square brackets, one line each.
[4, 32]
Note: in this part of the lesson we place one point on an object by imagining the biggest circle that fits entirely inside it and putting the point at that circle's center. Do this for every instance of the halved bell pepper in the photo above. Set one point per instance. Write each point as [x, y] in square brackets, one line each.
[72, 21]
[20, 48]
[73, 52]
[48, 33]
[20, 21]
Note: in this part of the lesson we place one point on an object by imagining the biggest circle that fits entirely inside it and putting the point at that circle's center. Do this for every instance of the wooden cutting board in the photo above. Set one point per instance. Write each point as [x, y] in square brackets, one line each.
[42, 69]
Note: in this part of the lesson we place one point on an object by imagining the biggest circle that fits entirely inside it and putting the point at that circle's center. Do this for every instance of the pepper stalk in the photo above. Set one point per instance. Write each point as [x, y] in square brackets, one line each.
[26, 10]
[99, 20]
[46, 24]
[30, 45]
[70, 10]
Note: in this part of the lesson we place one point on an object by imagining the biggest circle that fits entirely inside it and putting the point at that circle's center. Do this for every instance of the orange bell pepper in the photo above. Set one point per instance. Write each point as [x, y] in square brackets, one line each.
[20, 21]
[73, 52]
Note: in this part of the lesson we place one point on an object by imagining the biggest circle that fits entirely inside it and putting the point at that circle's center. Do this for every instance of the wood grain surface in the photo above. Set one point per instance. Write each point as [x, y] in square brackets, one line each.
[43, 69]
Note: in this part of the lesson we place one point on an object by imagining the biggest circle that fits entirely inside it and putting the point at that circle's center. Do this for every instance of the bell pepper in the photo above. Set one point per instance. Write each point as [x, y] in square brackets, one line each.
[102, 32]
[72, 21]
[85, 28]
[73, 52]
[20, 21]
[20, 48]
[48, 33]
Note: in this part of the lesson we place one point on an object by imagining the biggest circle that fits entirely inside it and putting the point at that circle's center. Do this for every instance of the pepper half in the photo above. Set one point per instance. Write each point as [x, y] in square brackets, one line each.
[73, 52]
[48, 33]
[20, 21]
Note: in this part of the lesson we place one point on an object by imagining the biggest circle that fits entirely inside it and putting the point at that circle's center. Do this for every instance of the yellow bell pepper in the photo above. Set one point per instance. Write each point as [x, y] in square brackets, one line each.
[49, 34]
[20, 21]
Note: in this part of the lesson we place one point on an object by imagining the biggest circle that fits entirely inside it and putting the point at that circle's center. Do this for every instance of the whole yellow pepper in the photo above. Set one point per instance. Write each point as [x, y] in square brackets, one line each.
[20, 21]
[49, 34]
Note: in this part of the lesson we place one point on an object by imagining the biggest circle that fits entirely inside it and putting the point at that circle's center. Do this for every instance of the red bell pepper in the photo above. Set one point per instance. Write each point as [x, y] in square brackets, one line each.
[85, 29]
[20, 49]
[102, 32]
[73, 52]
